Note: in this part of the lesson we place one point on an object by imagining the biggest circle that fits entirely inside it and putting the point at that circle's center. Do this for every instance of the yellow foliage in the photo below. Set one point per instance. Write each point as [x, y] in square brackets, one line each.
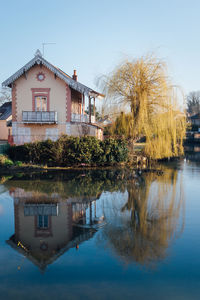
[143, 86]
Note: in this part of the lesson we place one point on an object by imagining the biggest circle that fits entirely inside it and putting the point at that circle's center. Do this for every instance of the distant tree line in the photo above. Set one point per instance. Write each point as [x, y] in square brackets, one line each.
[5, 95]
[193, 103]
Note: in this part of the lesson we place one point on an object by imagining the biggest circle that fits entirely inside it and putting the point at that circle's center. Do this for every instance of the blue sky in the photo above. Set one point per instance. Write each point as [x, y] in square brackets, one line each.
[94, 36]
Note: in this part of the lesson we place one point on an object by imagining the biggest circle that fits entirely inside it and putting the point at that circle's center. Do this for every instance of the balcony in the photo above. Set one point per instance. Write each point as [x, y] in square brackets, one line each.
[82, 118]
[39, 117]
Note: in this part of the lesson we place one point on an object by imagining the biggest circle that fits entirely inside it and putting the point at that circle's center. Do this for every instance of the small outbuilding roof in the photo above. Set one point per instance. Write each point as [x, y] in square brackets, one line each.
[39, 60]
[5, 110]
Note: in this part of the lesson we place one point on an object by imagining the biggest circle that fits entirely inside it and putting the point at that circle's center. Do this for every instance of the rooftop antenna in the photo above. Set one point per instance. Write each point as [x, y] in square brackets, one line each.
[44, 44]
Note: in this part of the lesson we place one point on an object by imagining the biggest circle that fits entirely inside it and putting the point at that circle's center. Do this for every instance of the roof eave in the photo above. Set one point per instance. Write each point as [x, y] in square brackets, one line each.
[40, 60]
[19, 73]
[96, 94]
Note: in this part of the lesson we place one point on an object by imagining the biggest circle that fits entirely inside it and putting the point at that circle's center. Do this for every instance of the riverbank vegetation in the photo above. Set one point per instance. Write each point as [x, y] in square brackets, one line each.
[142, 91]
[71, 151]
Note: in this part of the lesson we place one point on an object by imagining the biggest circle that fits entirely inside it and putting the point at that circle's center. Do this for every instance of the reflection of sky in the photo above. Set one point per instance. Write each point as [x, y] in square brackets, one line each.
[94, 270]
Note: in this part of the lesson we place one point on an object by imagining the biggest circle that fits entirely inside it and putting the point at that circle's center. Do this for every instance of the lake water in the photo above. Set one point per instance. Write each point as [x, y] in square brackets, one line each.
[108, 234]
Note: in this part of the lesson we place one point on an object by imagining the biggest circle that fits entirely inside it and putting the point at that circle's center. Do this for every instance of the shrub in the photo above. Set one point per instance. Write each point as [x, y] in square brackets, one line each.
[68, 151]
[86, 150]
[115, 150]
[22, 152]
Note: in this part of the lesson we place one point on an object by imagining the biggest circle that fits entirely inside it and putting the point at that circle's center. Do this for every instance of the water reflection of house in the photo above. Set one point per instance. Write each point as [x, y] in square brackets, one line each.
[48, 226]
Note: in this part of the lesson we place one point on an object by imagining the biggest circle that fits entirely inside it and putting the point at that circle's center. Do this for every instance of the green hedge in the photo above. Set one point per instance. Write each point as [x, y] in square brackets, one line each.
[67, 151]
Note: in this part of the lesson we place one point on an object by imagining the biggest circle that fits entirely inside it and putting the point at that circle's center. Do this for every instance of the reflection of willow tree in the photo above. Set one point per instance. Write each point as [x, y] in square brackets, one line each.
[154, 207]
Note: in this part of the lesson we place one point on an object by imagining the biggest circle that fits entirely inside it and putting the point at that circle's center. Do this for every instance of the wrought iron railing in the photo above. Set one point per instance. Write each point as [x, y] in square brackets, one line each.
[39, 117]
[82, 118]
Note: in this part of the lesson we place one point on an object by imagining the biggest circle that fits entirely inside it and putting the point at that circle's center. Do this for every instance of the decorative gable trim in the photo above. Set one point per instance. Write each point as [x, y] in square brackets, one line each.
[39, 60]
[40, 74]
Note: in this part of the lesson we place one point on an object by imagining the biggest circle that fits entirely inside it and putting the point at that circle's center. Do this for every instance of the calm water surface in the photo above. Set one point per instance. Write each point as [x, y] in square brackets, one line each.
[101, 235]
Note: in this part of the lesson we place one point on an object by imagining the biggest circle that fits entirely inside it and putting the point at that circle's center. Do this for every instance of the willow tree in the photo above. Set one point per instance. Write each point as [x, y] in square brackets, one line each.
[143, 90]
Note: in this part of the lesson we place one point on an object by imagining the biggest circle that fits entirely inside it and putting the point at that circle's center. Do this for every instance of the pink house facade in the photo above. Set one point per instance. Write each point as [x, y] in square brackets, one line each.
[46, 103]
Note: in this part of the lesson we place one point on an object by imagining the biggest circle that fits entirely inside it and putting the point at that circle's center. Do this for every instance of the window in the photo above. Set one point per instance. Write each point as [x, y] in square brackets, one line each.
[40, 103]
[42, 222]
[40, 99]
[40, 76]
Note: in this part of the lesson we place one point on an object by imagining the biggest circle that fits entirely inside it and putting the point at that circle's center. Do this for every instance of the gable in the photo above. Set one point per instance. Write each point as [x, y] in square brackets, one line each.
[40, 61]
[27, 88]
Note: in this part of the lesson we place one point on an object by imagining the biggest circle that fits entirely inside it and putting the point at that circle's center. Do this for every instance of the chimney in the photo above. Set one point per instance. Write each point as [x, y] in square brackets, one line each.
[74, 75]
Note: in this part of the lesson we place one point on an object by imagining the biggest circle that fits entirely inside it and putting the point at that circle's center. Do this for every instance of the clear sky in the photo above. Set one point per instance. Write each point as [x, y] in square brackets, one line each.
[93, 36]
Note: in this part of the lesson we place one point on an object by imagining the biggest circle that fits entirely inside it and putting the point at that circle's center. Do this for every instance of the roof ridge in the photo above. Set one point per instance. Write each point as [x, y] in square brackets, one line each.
[38, 59]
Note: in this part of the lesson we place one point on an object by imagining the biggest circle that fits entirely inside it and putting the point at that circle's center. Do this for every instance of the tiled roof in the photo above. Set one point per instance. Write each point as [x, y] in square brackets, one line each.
[37, 60]
[5, 111]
